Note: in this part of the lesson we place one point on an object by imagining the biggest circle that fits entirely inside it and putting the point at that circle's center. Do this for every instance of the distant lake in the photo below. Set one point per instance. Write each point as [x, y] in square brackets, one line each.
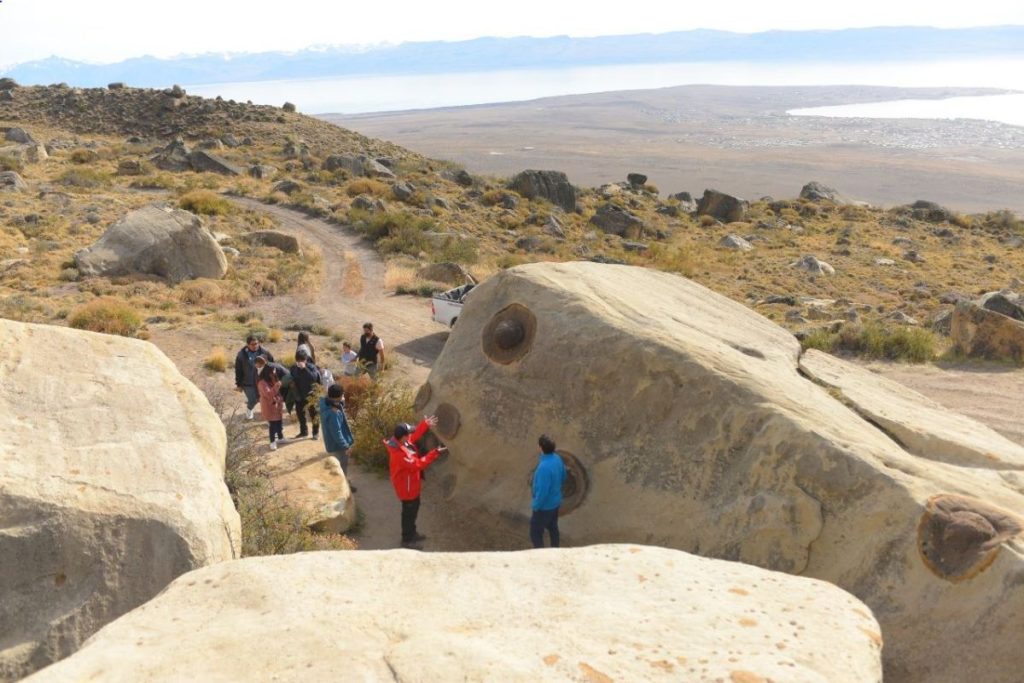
[374, 93]
[1002, 108]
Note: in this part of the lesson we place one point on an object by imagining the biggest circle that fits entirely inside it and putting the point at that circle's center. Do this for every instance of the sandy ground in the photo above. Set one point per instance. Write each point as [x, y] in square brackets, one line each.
[988, 393]
[735, 139]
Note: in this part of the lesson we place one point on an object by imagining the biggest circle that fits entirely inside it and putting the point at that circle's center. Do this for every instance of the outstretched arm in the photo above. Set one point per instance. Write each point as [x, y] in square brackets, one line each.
[425, 424]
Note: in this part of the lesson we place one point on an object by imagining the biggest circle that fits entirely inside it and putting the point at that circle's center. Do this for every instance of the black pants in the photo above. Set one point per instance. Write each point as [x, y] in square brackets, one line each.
[276, 429]
[541, 520]
[301, 407]
[410, 508]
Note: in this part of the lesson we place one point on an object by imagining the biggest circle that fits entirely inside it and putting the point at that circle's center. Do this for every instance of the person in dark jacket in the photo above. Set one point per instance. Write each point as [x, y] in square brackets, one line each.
[337, 434]
[371, 351]
[305, 380]
[547, 493]
[406, 467]
[246, 372]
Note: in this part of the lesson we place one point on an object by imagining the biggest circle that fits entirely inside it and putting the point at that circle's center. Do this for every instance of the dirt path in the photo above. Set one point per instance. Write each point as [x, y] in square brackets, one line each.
[989, 393]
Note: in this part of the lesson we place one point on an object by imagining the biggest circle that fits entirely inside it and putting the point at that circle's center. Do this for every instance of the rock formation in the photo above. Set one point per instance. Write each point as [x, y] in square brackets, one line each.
[159, 240]
[12, 182]
[553, 186]
[312, 482]
[111, 485]
[685, 422]
[598, 614]
[282, 241]
[447, 272]
[979, 332]
[615, 220]
[816, 192]
[724, 207]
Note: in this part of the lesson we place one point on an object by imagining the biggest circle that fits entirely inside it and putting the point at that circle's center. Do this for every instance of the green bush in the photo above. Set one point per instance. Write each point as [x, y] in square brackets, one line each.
[876, 341]
[381, 407]
[206, 203]
[88, 178]
[161, 181]
[106, 315]
[458, 250]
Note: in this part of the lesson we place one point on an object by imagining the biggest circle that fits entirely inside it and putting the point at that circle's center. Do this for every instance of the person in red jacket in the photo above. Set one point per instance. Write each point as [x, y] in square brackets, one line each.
[406, 472]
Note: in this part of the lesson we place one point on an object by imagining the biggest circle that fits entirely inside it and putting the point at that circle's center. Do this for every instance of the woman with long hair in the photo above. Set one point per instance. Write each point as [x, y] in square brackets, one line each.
[304, 344]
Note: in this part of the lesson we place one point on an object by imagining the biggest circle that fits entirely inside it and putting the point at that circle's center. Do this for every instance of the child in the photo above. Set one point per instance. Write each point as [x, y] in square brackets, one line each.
[269, 387]
[348, 359]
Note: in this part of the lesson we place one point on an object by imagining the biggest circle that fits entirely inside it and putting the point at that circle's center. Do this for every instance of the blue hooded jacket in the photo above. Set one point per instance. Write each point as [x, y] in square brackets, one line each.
[547, 482]
[334, 427]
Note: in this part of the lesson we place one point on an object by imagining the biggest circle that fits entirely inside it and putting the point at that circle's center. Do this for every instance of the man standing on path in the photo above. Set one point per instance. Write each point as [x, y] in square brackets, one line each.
[371, 351]
[305, 378]
[245, 371]
[337, 434]
[406, 466]
[547, 493]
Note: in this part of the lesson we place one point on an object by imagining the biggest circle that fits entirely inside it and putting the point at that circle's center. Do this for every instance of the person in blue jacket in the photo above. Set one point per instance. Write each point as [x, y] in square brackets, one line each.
[338, 438]
[547, 493]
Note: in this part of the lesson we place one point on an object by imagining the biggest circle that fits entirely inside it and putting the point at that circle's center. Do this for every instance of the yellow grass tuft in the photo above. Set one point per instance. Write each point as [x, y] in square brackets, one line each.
[108, 316]
[217, 361]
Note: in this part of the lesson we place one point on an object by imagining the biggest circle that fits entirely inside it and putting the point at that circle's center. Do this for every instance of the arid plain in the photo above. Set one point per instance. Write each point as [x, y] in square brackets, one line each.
[736, 139]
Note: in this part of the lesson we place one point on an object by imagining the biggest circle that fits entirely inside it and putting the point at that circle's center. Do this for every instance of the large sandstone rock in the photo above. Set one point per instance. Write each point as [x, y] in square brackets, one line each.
[203, 161]
[158, 240]
[724, 207]
[685, 422]
[31, 153]
[553, 186]
[980, 333]
[312, 482]
[922, 426]
[282, 241]
[598, 614]
[111, 485]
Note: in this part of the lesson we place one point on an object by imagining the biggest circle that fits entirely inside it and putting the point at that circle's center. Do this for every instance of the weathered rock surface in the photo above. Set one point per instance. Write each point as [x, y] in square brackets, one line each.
[31, 153]
[12, 182]
[130, 167]
[713, 442]
[922, 426]
[1008, 303]
[603, 613]
[176, 157]
[553, 186]
[724, 207]
[447, 271]
[158, 240]
[615, 220]
[812, 265]
[312, 482]
[289, 244]
[816, 192]
[980, 333]
[20, 136]
[931, 212]
[262, 171]
[360, 165]
[111, 485]
[203, 161]
[735, 242]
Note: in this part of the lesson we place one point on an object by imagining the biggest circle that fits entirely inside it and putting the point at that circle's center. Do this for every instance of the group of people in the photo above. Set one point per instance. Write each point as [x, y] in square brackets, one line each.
[277, 389]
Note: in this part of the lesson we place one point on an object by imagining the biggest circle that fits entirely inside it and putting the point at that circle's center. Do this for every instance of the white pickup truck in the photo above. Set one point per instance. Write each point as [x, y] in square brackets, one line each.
[447, 306]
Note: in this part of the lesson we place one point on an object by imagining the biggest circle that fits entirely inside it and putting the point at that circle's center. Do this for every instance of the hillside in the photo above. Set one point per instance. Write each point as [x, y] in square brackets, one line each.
[899, 267]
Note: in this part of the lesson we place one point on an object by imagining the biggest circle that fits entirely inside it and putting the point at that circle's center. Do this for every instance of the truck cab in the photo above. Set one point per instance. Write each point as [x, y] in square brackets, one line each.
[446, 306]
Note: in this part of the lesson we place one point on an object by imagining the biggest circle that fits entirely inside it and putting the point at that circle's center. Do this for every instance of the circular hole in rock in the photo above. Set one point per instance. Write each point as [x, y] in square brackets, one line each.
[575, 486]
[509, 334]
[422, 397]
[448, 421]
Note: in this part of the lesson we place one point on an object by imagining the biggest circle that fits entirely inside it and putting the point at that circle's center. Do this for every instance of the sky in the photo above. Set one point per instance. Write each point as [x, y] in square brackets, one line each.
[111, 30]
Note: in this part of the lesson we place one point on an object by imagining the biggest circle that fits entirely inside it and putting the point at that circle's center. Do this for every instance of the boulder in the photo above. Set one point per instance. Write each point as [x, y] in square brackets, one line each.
[286, 186]
[204, 162]
[980, 333]
[130, 167]
[1008, 303]
[554, 228]
[262, 171]
[31, 153]
[735, 242]
[686, 201]
[553, 186]
[715, 423]
[636, 180]
[104, 499]
[930, 211]
[12, 182]
[812, 265]
[615, 220]
[289, 244]
[19, 136]
[817, 192]
[942, 322]
[176, 157]
[360, 165]
[403, 191]
[447, 272]
[8, 84]
[159, 240]
[922, 426]
[723, 207]
[598, 614]
[311, 481]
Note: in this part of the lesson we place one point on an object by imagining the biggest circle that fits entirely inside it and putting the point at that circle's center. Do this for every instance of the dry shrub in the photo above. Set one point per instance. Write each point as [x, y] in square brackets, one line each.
[108, 316]
[366, 186]
[274, 336]
[217, 361]
[87, 178]
[398, 276]
[83, 156]
[200, 292]
[706, 221]
[353, 283]
[380, 407]
[205, 202]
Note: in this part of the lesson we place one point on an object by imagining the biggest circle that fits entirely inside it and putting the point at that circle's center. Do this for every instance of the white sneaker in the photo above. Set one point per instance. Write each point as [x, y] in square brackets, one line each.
[249, 414]
[273, 445]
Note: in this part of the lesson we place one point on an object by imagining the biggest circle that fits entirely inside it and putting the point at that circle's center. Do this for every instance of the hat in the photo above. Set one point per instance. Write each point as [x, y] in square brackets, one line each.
[402, 429]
